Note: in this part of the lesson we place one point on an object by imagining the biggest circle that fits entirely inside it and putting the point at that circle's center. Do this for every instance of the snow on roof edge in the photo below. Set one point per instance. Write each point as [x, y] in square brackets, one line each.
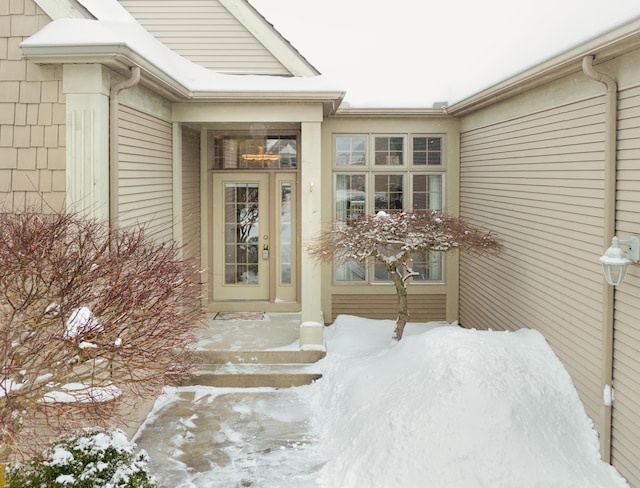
[66, 34]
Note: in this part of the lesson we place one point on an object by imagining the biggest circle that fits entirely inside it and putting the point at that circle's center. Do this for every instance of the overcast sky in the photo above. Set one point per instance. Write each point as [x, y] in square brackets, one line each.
[412, 53]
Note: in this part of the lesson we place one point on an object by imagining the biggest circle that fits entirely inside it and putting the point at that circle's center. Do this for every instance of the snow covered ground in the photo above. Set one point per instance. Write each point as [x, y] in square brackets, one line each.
[445, 406]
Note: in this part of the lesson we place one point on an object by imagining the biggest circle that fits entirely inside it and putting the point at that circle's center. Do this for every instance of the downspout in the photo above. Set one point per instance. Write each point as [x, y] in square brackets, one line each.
[609, 225]
[113, 141]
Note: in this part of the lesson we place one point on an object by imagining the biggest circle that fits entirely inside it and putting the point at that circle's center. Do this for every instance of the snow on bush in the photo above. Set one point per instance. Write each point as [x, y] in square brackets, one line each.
[89, 313]
[94, 458]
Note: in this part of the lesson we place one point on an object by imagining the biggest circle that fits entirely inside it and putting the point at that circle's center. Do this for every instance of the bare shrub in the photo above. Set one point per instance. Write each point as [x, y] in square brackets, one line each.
[86, 313]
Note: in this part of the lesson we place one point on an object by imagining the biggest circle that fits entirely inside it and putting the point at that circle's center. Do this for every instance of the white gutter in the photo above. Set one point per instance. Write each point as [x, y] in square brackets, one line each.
[113, 141]
[609, 225]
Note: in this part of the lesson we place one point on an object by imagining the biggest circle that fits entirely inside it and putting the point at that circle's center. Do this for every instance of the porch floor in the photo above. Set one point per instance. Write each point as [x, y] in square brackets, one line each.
[229, 436]
[273, 331]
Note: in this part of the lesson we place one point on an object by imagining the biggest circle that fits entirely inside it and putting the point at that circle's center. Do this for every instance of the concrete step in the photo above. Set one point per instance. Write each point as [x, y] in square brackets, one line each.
[252, 375]
[259, 357]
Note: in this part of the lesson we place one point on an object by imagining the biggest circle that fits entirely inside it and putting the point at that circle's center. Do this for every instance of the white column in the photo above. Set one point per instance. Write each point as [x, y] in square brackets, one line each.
[86, 89]
[311, 219]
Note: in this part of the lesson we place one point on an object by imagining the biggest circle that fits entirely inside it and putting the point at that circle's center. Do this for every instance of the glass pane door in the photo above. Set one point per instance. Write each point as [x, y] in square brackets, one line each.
[241, 251]
[241, 233]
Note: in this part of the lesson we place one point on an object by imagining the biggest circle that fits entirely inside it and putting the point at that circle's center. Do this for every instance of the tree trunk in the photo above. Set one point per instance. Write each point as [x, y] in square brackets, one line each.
[403, 307]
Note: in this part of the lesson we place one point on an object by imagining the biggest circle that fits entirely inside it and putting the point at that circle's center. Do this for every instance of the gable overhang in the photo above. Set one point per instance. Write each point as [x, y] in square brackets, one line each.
[270, 38]
[612, 44]
[120, 57]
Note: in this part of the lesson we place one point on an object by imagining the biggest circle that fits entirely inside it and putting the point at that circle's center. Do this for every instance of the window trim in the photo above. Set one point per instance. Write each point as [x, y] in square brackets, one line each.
[369, 170]
[408, 145]
[443, 151]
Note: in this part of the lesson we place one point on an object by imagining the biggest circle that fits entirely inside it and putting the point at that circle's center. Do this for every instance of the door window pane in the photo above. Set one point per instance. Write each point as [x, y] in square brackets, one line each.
[285, 233]
[241, 232]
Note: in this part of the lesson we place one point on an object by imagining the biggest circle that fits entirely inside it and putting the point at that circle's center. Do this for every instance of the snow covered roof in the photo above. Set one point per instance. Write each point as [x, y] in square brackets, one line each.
[116, 39]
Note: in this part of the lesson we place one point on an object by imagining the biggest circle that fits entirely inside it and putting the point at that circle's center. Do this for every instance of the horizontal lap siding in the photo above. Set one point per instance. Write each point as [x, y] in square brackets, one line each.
[537, 181]
[145, 175]
[423, 308]
[206, 33]
[191, 193]
[626, 408]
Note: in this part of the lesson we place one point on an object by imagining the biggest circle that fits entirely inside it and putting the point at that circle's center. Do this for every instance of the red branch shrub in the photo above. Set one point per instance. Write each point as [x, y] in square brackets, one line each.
[90, 317]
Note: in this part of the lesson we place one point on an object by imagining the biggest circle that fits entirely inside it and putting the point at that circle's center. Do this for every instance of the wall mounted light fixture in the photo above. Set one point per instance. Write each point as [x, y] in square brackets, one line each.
[615, 262]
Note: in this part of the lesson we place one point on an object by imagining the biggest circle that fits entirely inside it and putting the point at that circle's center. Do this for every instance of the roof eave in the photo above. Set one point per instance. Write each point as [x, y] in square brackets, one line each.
[391, 112]
[612, 44]
[116, 56]
[330, 100]
[120, 58]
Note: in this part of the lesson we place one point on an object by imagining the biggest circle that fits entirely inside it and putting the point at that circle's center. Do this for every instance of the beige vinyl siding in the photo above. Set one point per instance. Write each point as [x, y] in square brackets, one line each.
[422, 307]
[32, 117]
[537, 180]
[191, 193]
[626, 363]
[145, 172]
[204, 32]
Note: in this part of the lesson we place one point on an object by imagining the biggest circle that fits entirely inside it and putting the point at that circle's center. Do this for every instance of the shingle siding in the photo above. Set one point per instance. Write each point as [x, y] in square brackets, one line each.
[32, 123]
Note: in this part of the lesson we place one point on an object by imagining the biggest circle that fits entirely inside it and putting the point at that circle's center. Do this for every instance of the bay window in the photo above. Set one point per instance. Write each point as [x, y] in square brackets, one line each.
[380, 172]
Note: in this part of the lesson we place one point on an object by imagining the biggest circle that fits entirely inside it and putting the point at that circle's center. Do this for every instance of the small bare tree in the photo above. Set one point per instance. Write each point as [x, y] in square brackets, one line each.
[393, 239]
[90, 318]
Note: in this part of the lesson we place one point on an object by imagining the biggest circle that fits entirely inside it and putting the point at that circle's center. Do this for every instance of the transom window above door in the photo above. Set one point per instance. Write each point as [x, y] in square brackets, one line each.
[248, 151]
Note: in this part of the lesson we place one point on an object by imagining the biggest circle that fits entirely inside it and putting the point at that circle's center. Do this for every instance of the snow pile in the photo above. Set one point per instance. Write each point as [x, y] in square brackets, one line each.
[450, 407]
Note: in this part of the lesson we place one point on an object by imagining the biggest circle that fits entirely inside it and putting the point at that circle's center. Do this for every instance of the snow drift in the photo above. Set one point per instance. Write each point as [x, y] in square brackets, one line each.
[450, 407]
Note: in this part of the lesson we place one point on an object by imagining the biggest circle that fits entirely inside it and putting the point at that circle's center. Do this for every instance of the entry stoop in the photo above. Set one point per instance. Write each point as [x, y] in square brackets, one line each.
[255, 353]
[251, 369]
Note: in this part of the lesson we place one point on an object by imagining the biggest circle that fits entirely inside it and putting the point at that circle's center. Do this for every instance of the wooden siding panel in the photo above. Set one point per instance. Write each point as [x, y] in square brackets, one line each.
[191, 193]
[206, 33]
[423, 308]
[145, 174]
[537, 181]
[626, 407]
[32, 143]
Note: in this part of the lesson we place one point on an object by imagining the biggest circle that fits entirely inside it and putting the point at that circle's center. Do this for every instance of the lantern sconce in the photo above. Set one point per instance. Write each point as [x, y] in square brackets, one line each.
[615, 262]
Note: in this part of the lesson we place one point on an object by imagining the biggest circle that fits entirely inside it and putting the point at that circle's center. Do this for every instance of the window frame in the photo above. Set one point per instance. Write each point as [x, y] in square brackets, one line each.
[433, 167]
[369, 170]
[238, 134]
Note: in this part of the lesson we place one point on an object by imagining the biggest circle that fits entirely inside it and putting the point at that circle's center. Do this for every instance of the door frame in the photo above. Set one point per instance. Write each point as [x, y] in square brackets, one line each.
[280, 296]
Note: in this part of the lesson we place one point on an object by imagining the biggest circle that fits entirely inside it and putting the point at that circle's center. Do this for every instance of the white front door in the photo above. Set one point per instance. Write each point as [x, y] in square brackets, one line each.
[254, 236]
